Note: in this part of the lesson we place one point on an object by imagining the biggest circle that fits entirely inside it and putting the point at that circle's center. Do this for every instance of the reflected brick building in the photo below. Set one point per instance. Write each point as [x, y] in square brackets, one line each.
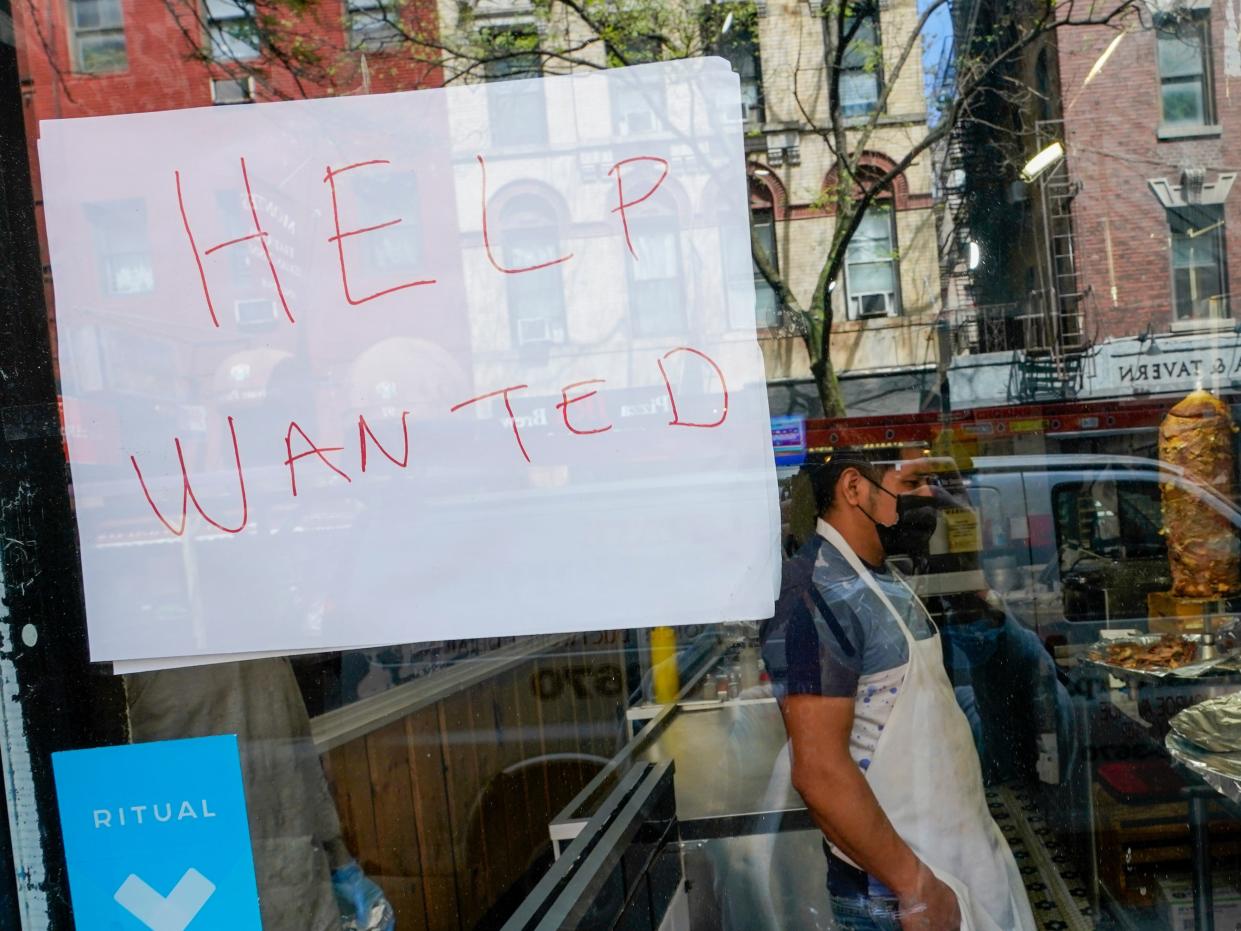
[1123, 249]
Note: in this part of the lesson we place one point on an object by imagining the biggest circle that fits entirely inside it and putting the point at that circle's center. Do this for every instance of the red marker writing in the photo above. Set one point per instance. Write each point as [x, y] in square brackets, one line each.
[342, 235]
[259, 233]
[507, 406]
[314, 450]
[563, 406]
[621, 204]
[676, 420]
[187, 491]
[364, 430]
[487, 237]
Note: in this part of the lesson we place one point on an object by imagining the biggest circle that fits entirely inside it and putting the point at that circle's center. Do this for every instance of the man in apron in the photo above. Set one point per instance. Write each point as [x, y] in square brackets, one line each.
[881, 754]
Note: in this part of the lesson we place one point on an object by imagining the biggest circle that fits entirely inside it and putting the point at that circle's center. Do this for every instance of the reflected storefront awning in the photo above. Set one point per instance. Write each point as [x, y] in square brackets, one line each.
[866, 394]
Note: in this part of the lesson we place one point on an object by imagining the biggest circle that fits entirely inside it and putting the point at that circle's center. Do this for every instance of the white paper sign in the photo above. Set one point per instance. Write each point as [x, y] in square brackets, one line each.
[443, 364]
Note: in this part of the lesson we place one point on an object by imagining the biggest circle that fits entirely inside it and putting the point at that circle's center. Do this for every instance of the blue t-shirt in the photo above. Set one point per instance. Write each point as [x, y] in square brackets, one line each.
[832, 636]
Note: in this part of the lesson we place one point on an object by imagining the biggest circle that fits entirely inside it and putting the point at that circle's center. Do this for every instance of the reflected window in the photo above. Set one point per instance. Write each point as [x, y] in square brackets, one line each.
[738, 44]
[232, 30]
[374, 25]
[860, 72]
[515, 106]
[1199, 269]
[536, 306]
[1185, 70]
[119, 230]
[637, 104]
[656, 305]
[1110, 547]
[626, 49]
[871, 271]
[766, 301]
[97, 35]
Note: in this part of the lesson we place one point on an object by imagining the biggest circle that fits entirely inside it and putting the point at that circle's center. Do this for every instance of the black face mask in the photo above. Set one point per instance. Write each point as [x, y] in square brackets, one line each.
[915, 525]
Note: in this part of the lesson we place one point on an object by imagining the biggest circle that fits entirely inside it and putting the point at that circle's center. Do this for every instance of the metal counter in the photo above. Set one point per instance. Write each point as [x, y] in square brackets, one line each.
[732, 771]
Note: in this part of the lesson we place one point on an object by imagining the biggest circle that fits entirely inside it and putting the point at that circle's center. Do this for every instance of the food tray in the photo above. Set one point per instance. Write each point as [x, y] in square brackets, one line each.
[1221, 771]
[1225, 662]
[1213, 725]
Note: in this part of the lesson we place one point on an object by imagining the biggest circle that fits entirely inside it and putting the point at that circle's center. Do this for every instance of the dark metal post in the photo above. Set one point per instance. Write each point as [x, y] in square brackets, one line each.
[1200, 851]
[50, 696]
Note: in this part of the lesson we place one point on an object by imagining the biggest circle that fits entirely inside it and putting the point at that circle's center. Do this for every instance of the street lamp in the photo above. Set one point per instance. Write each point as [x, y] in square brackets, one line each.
[1042, 160]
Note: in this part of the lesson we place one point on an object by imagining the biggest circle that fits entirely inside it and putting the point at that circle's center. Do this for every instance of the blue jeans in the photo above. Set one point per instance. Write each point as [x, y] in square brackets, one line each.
[865, 913]
[859, 902]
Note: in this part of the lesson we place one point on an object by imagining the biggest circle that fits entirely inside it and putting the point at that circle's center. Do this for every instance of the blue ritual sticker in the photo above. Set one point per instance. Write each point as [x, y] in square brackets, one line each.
[156, 836]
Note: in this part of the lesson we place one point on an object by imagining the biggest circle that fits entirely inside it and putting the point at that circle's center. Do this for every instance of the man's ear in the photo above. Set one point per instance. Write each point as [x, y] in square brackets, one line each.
[849, 487]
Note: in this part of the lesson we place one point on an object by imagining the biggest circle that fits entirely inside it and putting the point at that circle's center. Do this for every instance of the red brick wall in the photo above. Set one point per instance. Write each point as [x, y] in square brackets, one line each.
[166, 72]
[1113, 149]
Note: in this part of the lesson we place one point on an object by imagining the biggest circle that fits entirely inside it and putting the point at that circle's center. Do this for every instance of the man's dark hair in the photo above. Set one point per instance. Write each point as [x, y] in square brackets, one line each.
[872, 463]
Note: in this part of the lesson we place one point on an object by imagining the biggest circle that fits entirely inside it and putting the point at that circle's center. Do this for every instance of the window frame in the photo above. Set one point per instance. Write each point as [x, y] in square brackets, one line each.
[896, 309]
[761, 284]
[120, 232]
[740, 45]
[389, 22]
[77, 32]
[498, 70]
[1217, 231]
[662, 224]
[533, 216]
[1174, 27]
[869, 10]
[216, 26]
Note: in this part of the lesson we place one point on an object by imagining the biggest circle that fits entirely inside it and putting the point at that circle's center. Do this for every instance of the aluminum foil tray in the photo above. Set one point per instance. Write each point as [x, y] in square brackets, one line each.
[1224, 663]
[1214, 724]
[1221, 771]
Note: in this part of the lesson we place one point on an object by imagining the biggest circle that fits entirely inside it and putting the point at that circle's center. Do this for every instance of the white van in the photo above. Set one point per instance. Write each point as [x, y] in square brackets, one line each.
[1074, 543]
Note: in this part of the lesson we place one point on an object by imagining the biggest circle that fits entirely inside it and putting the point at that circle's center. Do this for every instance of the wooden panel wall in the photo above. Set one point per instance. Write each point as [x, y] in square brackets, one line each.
[448, 807]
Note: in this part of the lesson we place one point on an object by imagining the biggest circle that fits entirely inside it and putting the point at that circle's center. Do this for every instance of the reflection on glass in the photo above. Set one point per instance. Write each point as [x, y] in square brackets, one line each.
[870, 267]
[98, 29]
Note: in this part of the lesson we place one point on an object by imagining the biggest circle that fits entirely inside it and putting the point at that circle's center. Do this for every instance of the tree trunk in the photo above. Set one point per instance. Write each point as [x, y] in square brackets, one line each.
[829, 388]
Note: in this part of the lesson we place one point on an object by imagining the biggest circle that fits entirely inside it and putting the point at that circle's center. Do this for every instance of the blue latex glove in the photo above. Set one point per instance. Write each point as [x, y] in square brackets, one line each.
[361, 902]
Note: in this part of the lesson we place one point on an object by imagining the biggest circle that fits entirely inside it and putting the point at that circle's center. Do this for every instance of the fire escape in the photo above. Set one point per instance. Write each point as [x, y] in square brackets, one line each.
[1044, 330]
[1053, 331]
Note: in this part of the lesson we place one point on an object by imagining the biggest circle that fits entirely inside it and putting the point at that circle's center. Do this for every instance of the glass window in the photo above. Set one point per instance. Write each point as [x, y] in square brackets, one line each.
[374, 25]
[1199, 267]
[739, 45]
[122, 247]
[1112, 552]
[656, 301]
[425, 436]
[871, 271]
[535, 299]
[517, 111]
[232, 30]
[767, 302]
[1184, 55]
[861, 73]
[98, 34]
[637, 105]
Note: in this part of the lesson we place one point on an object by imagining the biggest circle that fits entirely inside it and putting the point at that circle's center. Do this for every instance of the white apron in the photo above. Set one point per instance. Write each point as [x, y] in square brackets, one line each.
[927, 779]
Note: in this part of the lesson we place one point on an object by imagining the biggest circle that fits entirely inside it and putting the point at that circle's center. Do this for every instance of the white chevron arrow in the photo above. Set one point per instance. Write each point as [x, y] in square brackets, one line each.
[172, 912]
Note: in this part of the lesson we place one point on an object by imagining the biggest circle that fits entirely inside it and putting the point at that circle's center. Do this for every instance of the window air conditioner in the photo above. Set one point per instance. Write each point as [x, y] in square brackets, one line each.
[232, 90]
[255, 313]
[874, 304]
[533, 330]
